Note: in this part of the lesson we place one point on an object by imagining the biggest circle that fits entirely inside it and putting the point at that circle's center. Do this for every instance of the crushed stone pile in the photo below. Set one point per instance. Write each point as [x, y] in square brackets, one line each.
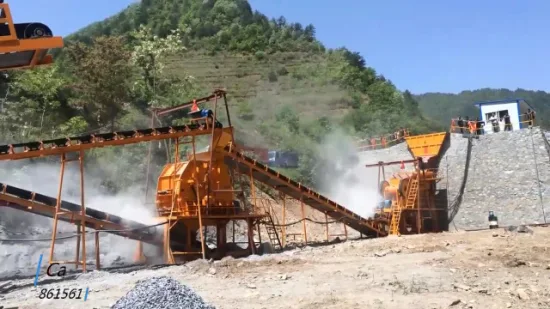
[161, 292]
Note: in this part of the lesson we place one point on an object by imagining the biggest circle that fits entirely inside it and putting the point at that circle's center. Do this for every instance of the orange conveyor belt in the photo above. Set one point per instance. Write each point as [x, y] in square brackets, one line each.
[243, 164]
[44, 205]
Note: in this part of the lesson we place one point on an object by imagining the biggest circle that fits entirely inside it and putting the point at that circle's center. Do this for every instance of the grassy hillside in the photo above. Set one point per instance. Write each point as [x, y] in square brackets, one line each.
[443, 106]
[287, 91]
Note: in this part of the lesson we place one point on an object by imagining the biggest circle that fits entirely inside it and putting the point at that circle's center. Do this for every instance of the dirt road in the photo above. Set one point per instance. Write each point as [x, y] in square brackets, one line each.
[487, 269]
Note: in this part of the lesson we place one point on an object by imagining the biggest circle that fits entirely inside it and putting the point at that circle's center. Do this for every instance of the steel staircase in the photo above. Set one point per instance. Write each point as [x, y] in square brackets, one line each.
[273, 233]
[412, 193]
[395, 218]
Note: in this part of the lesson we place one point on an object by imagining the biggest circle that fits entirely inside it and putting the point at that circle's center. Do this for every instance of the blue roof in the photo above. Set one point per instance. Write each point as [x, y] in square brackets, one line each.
[479, 104]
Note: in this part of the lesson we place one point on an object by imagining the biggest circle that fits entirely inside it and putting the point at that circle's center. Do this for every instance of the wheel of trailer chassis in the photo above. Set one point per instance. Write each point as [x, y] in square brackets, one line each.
[37, 30]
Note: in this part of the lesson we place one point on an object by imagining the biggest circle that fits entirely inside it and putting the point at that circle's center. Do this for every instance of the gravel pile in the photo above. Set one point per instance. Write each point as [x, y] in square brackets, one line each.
[161, 292]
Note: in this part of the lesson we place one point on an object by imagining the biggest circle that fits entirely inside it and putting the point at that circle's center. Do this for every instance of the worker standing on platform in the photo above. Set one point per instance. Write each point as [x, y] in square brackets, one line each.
[460, 124]
[206, 114]
[530, 117]
[479, 126]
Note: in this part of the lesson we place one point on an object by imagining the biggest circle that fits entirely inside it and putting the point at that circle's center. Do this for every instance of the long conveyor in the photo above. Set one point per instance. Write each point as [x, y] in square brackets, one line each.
[37, 203]
[44, 205]
[84, 142]
[272, 178]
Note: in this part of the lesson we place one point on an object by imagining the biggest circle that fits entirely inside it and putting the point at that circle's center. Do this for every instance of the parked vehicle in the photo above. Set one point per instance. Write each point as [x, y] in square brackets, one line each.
[282, 159]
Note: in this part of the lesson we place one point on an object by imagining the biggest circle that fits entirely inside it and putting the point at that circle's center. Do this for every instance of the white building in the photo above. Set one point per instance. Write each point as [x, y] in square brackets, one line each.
[515, 108]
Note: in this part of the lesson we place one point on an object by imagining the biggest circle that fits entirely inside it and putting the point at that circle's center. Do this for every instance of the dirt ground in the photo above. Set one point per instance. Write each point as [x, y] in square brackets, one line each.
[485, 269]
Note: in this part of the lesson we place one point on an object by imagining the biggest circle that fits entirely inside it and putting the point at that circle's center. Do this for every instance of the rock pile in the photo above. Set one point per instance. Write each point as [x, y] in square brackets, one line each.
[509, 173]
[161, 292]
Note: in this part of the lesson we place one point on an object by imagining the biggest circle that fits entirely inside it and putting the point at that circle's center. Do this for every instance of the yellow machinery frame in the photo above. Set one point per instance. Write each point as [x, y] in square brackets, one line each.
[410, 195]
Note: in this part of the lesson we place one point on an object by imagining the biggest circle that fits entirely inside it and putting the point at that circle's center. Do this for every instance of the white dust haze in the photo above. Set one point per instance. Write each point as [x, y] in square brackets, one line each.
[18, 258]
[343, 176]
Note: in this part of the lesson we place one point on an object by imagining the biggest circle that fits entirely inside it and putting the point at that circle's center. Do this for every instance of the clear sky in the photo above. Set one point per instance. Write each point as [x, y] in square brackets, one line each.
[423, 46]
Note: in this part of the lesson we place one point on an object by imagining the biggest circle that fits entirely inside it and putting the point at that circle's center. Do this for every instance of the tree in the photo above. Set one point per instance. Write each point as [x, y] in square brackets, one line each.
[309, 33]
[101, 75]
[149, 56]
[34, 102]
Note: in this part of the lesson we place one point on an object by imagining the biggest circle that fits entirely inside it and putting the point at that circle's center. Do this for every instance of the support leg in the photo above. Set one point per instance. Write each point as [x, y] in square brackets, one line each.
[168, 257]
[138, 256]
[346, 231]
[97, 253]
[57, 208]
[304, 226]
[250, 230]
[83, 211]
[283, 227]
[233, 230]
[326, 226]
[78, 231]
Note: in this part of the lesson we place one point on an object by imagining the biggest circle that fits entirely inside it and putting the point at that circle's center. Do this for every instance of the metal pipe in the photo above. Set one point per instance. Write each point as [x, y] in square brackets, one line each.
[195, 173]
[82, 210]
[57, 207]
[149, 151]
[227, 112]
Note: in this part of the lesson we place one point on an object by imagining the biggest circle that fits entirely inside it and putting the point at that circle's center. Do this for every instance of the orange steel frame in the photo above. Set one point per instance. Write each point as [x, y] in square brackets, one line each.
[11, 44]
[218, 221]
[80, 218]
[423, 181]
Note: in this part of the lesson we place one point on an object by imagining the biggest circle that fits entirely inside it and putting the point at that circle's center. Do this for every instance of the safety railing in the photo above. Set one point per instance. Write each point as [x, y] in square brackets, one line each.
[382, 142]
[475, 127]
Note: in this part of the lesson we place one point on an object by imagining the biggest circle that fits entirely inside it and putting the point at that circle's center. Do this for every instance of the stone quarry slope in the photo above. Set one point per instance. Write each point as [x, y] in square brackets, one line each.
[453, 168]
[508, 173]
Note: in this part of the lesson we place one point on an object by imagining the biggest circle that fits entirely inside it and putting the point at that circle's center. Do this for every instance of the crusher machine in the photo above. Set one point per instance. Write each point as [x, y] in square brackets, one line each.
[199, 193]
[410, 201]
[24, 45]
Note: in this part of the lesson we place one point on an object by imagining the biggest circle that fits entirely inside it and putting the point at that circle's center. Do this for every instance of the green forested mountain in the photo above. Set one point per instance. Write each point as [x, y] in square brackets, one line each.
[286, 89]
[444, 106]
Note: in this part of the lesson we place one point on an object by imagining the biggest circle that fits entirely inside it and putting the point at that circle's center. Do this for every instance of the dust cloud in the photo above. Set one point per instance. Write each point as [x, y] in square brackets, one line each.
[43, 177]
[343, 177]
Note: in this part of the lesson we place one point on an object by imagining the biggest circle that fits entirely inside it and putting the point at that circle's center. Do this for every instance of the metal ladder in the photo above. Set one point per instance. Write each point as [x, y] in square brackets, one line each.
[395, 218]
[273, 234]
[412, 194]
[409, 204]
